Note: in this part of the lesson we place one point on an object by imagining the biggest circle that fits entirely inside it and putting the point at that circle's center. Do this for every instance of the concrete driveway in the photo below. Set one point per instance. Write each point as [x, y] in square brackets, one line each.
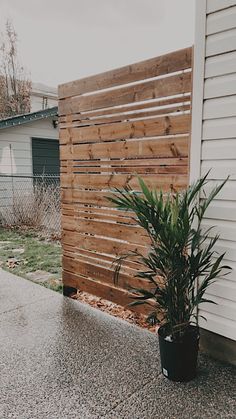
[62, 359]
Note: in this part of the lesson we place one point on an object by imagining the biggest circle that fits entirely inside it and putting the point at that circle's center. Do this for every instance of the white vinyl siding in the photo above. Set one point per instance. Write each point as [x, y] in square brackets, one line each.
[16, 155]
[220, 64]
[215, 137]
[214, 5]
[221, 43]
[220, 107]
[221, 20]
[19, 138]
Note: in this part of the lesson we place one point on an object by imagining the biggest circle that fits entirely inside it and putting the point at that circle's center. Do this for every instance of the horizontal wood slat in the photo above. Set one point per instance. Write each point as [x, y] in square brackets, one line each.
[160, 148]
[104, 229]
[99, 214]
[101, 244]
[133, 107]
[129, 162]
[102, 274]
[72, 209]
[168, 125]
[113, 126]
[126, 116]
[168, 63]
[98, 181]
[167, 86]
[103, 290]
[99, 198]
[137, 169]
[129, 267]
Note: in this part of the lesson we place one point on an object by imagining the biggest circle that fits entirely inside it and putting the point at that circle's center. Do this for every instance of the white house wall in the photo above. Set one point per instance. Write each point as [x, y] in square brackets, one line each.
[19, 138]
[214, 144]
[36, 102]
[16, 157]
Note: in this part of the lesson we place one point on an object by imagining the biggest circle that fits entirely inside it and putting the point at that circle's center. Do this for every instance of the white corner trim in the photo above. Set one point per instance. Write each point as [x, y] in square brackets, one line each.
[198, 89]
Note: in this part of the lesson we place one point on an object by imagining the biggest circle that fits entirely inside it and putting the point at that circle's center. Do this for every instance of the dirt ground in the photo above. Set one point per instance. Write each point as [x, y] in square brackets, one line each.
[115, 310]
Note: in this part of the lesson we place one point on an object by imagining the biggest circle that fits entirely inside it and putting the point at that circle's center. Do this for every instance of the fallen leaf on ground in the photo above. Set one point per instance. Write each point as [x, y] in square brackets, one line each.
[114, 309]
[12, 263]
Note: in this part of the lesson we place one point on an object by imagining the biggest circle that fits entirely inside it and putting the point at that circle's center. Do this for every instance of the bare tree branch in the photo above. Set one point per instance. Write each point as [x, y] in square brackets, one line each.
[15, 84]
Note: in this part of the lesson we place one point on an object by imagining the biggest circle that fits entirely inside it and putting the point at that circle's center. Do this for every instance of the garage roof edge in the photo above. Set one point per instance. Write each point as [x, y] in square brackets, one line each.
[28, 117]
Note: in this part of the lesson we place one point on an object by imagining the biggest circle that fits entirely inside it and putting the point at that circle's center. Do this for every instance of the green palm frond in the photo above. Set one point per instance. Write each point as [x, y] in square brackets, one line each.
[180, 252]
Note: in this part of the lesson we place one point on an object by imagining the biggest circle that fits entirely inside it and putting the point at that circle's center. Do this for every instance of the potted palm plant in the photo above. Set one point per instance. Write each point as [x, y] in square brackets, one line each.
[180, 265]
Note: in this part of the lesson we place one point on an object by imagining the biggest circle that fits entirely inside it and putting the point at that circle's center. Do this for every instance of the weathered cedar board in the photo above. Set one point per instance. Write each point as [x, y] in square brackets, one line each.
[112, 126]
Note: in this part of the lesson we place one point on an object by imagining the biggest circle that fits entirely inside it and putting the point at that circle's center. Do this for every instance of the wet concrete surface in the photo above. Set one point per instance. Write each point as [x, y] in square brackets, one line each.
[62, 359]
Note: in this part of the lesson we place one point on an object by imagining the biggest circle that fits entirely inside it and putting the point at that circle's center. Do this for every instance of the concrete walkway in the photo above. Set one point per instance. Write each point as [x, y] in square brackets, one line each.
[62, 359]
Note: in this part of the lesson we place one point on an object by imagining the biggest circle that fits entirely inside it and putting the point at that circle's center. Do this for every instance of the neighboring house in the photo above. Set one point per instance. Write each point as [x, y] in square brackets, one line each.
[42, 97]
[29, 142]
[29, 146]
[214, 147]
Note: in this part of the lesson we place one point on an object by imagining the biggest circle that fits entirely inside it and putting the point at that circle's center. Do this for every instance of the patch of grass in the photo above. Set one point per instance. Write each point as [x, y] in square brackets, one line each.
[15, 235]
[30, 254]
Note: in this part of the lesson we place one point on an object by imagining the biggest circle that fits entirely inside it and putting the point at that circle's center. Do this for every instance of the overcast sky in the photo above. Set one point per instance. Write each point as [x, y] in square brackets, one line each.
[63, 40]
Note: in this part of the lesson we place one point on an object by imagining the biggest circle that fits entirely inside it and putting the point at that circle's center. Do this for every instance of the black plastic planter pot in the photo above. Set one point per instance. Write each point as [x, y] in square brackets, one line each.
[179, 358]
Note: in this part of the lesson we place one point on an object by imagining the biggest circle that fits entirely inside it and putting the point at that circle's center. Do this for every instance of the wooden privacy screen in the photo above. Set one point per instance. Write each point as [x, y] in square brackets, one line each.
[133, 120]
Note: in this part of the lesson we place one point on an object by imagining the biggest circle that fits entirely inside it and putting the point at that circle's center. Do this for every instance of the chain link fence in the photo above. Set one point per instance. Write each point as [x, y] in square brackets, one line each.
[31, 201]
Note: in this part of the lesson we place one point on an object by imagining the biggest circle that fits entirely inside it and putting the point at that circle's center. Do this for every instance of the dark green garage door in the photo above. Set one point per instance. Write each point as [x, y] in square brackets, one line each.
[45, 155]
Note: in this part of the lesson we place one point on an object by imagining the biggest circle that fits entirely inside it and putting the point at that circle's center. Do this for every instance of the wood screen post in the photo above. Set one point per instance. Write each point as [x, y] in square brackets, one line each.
[69, 291]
